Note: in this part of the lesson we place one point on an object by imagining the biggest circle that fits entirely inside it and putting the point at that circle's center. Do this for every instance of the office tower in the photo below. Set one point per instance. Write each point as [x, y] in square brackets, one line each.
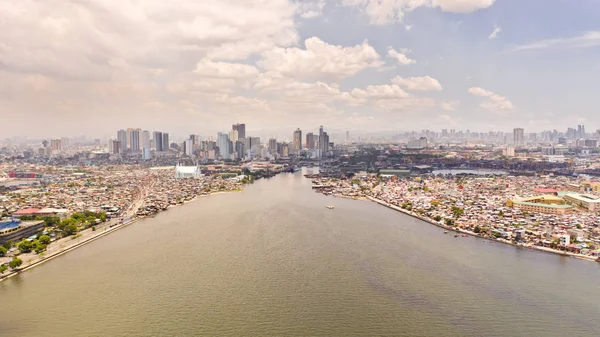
[195, 139]
[233, 135]
[122, 138]
[134, 139]
[145, 139]
[325, 145]
[223, 144]
[321, 140]
[188, 147]
[297, 140]
[347, 136]
[519, 137]
[285, 150]
[272, 145]
[246, 142]
[310, 141]
[56, 145]
[239, 149]
[116, 147]
[241, 129]
[157, 140]
[165, 142]
[254, 144]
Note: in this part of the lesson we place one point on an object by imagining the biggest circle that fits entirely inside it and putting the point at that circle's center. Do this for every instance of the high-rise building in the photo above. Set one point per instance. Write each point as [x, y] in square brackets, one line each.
[239, 149]
[122, 138]
[519, 137]
[272, 145]
[146, 139]
[134, 139]
[241, 129]
[347, 136]
[56, 145]
[165, 142]
[188, 147]
[297, 140]
[157, 141]
[310, 141]
[223, 144]
[255, 144]
[116, 147]
[233, 135]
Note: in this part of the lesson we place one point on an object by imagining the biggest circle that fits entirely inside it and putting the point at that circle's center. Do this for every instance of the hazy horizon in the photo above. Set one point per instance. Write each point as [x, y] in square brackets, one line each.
[188, 67]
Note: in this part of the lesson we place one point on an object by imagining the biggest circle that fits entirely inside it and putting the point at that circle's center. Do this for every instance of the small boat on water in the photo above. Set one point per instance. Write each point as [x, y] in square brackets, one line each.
[455, 235]
[329, 206]
[445, 232]
[464, 235]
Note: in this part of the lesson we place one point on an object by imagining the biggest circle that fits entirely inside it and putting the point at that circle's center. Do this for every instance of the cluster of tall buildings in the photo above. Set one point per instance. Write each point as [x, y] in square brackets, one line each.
[237, 145]
[135, 140]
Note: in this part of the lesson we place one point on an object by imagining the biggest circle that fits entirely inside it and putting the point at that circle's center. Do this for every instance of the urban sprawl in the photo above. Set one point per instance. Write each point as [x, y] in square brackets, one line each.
[536, 190]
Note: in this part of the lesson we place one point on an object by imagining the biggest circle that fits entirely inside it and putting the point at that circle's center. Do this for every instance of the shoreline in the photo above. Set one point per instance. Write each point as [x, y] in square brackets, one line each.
[462, 231]
[109, 230]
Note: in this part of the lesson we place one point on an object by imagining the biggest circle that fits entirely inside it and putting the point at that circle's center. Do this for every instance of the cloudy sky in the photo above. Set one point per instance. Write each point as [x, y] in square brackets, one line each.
[184, 66]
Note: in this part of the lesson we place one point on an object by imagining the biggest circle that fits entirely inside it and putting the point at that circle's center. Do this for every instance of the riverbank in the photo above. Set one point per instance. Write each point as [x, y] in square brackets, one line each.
[462, 231]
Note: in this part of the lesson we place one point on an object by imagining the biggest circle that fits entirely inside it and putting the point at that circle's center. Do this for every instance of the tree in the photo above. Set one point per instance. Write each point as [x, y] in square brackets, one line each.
[449, 222]
[3, 251]
[3, 268]
[457, 211]
[25, 246]
[8, 245]
[15, 263]
[44, 239]
[437, 218]
[39, 247]
[477, 229]
[70, 229]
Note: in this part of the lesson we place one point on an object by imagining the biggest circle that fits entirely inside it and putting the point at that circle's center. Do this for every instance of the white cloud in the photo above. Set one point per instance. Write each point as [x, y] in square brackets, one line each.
[385, 11]
[213, 69]
[425, 83]
[400, 56]
[310, 9]
[408, 27]
[450, 106]
[585, 40]
[101, 39]
[494, 103]
[379, 92]
[462, 6]
[495, 32]
[320, 59]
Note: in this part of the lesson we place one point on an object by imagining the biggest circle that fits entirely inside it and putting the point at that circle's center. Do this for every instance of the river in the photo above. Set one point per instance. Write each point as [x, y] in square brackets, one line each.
[273, 261]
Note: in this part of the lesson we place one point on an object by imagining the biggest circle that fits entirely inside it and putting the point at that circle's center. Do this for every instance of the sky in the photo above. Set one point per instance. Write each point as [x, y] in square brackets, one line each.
[90, 67]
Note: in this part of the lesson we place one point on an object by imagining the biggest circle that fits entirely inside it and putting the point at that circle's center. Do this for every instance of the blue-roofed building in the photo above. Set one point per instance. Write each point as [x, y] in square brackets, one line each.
[15, 230]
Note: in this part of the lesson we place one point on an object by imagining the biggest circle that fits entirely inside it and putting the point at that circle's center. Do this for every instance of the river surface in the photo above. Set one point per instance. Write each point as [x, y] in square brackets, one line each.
[274, 261]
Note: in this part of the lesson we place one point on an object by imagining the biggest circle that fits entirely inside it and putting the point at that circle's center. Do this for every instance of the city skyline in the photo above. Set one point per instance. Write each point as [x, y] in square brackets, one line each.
[295, 64]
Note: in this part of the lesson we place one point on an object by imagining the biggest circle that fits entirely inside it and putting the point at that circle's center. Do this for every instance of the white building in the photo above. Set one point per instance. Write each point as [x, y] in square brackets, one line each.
[184, 172]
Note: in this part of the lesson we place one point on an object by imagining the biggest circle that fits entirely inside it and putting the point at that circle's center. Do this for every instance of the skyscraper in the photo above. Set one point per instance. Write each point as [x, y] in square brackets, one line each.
[188, 147]
[146, 139]
[272, 145]
[157, 137]
[240, 128]
[519, 137]
[165, 142]
[134, 139]
[223, 144]
[122, 138]
[233, 135]
[297, 140]
[310, 141]
[325, 145]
